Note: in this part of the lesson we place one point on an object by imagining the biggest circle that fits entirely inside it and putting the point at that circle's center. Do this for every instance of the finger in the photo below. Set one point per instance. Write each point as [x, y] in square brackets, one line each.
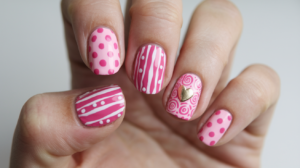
[247, 102]
[153, 43]
[53, 126]
[97, 26]
[204, 60]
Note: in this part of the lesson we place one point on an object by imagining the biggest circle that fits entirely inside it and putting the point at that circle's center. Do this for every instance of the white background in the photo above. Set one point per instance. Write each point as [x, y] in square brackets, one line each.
[34, 60]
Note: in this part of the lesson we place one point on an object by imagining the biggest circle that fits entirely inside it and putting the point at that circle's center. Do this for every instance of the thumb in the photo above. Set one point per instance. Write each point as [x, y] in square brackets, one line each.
[52, 126]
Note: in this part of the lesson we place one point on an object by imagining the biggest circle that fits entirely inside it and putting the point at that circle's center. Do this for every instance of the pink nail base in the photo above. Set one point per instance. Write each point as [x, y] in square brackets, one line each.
[185, 110]
[215, 127]
[100, 107]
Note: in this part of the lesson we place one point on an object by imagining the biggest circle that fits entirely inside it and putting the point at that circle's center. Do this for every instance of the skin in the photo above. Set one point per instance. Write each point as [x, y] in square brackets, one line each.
[49, 134]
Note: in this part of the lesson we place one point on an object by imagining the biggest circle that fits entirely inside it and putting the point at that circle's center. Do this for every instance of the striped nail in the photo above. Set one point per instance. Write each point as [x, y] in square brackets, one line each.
[104, 55]
[149, 69]
[101, 106]
[184, 97]
[215, 127]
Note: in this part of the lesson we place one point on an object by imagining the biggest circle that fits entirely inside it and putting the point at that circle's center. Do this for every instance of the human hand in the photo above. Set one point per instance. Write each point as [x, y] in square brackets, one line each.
[52, 130]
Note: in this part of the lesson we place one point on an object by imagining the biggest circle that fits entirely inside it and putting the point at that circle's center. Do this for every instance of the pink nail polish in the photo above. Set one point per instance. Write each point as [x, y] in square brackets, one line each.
[149, 69]
[104, 55]
[100, 106]
[215, 127]
[185, 96]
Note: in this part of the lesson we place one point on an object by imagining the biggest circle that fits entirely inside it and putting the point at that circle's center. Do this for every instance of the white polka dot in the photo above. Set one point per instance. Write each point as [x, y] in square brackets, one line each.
[162, 54]
[102, 102]
[143, 57]
[94, 105]
[159, 82]
[144, 89]
[161, 67]
[140, 70]
[101, 122]
[120, 97]
[119, 115]
[107, 121]
[83, 110]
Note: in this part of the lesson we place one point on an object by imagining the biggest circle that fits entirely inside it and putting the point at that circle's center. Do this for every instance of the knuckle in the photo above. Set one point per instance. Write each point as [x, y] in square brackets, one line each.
[31, 121]
[169, 11]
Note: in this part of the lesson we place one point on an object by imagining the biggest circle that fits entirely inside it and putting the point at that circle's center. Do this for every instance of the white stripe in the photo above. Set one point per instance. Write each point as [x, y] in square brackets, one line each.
[97, 94]
[136, 63]
[98, 101]
[141, 89]
[156, 73]
[151, 71]
[110, 115]
[163, 72]
[101, 108]
[143, 49]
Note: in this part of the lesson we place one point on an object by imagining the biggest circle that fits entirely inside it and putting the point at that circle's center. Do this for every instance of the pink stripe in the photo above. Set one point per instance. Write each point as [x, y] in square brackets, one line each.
[106, 102]
[160, 73]
[136, 64]
[79, 105]
[142, 64]
[155, 67]
[112, 118]
[101, 114]
[149, 61]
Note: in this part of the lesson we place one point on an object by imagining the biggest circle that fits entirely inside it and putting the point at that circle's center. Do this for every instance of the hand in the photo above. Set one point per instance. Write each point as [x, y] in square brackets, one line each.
[71, 129]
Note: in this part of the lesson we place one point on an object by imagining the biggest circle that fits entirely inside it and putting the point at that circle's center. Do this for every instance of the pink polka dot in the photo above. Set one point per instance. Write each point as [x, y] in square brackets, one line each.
[218, 112]
[201, 138]
[212, 143]
[96, 71]
[94, 55]
[209, 124]
[200, 130]
[100, 30]
[89, 48]
[102, 63]
[229, 118]
[101, 45]
[110, 54]
[222, 130]
[111, 71]
[107, 38]
[94, 38]
[220, 120]
[116, 45]
[211, 134]
[91, 64]
[117, 63]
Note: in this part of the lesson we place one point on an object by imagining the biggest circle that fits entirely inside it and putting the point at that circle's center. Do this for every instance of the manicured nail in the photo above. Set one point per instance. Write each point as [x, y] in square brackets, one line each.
[104, 55]
[215, 127]
[149, 69]
[100, 106]
[185, 96]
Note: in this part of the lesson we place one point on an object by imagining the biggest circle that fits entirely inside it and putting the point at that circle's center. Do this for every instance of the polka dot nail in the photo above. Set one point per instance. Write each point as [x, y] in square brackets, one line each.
[104, 54]
[215, 127]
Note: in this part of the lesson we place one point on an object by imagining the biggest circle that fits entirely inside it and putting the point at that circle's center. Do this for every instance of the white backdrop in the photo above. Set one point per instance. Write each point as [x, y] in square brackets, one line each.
[34, 60]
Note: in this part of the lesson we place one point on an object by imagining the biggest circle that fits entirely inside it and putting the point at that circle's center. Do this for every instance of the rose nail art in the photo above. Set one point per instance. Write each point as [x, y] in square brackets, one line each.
[149, 69]
[185, 96]
[100, 106]
[215, 127]
[104, 55]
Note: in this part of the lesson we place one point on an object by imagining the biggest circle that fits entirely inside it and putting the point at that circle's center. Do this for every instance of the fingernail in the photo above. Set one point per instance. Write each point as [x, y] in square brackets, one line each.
[101, 106]
[215, 127]
[185, 96]
[149, 69]
[103, 51]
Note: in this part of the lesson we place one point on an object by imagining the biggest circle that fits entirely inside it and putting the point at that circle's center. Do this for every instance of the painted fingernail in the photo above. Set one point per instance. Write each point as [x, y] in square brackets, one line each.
[185, 96]
[215, 127]
[100, 106]
[149, 69]
[103, 51]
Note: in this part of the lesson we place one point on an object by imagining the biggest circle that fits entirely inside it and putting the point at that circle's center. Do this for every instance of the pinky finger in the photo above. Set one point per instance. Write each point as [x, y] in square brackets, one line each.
[246, 103]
